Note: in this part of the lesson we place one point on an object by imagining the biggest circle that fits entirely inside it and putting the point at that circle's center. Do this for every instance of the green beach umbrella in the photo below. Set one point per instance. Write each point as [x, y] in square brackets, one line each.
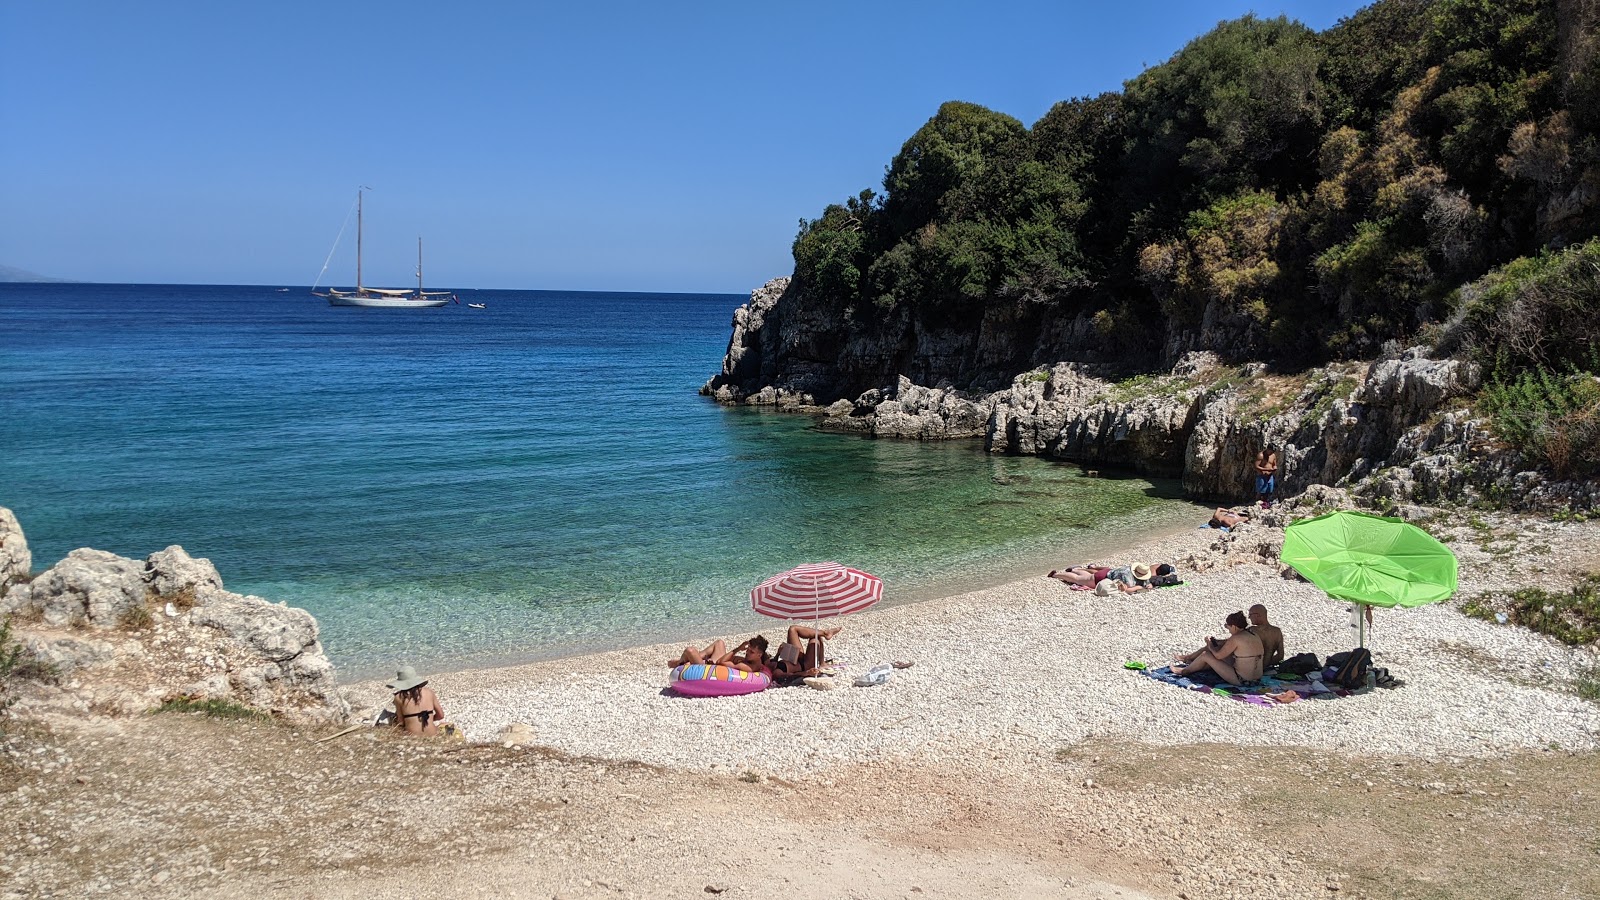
[1370, 560]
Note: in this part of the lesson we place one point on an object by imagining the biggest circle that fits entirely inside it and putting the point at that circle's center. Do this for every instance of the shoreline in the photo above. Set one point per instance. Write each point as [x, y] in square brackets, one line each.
[1007, 672]
[1007, 568]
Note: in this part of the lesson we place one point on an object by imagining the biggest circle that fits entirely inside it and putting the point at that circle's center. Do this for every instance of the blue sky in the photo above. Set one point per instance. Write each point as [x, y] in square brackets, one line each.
[597, 146]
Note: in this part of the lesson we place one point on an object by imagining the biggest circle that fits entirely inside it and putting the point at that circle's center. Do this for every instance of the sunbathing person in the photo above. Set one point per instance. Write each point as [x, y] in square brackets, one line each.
[1271, 635]
[711, 655]
[1082, 576]
[750, 656]
[416, 706]
[802, 653]
[1236, 660]
[1227, 518]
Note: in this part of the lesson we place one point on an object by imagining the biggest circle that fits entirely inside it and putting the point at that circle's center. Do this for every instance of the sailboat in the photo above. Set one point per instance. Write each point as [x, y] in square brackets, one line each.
[386, 297]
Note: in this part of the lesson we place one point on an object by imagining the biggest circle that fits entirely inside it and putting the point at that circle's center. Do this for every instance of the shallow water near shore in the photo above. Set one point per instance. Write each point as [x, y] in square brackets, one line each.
[459, 487]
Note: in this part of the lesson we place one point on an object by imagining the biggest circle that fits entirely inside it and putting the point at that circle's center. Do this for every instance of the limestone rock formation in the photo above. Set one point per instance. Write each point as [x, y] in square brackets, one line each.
[122, 635]
[90, 588]
[16, 562]
[909, 410]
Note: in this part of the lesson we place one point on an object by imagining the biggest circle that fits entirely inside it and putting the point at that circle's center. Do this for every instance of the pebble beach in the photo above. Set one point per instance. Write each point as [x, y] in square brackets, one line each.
[1003, 673]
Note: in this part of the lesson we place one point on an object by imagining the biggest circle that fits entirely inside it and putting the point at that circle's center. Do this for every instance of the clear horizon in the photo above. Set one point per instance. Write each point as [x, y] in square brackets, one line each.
[616, 147]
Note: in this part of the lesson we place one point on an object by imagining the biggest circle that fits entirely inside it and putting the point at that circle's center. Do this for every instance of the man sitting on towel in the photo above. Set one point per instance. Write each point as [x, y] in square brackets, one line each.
[1271, 635]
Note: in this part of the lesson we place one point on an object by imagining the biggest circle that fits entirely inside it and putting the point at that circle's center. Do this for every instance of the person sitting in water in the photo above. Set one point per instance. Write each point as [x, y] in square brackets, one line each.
[802, 653]
[1271, 636]
[416, 706]
[1236, 660]
[1081, 576]
[1227, 518]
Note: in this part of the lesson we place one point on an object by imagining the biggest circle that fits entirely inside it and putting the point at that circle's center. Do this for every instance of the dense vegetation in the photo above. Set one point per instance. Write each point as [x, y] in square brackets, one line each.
[1269, 192]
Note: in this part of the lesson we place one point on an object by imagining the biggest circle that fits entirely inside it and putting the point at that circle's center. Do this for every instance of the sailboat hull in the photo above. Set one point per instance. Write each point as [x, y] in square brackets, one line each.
[386, 302]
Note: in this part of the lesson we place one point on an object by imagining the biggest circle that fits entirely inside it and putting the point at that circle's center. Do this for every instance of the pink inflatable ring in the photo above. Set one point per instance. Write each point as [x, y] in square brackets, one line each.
[700, 680]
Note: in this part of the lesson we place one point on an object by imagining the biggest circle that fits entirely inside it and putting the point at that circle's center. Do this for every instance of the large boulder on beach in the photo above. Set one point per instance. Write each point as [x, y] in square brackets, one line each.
[16, 563]
[90, 588]
[120, 636]
[172, 572]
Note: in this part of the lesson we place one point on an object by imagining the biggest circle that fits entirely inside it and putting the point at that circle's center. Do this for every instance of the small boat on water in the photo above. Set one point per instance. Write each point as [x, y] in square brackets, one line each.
[478, 305]
[382, 297]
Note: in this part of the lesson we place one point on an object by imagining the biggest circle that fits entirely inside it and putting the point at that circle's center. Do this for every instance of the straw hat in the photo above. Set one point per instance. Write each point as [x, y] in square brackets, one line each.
[405, 680]
[1141, 572]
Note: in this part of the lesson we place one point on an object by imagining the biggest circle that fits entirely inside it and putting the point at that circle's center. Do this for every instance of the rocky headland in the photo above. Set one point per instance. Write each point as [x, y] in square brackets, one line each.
[1395, 431]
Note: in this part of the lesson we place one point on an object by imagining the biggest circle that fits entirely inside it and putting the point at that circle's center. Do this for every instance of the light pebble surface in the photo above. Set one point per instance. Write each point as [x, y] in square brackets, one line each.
[999, 674]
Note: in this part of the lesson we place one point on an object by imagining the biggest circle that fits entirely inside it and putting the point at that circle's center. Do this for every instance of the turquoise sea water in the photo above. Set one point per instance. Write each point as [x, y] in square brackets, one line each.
[456, 487]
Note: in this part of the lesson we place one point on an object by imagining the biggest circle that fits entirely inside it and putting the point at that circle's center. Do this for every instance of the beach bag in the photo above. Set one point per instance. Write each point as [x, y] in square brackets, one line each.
[1300, 664]
[1352, 673]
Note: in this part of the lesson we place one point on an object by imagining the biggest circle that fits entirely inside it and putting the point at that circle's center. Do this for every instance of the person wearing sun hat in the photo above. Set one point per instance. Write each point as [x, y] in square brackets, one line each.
[416, 706]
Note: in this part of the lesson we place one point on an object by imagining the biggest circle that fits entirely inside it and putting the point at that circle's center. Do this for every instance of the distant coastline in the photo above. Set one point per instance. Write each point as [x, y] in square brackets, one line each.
[13, 275]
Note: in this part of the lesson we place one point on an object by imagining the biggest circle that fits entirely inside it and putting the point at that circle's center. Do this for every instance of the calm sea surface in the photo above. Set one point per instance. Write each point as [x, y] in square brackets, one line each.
[456, 487]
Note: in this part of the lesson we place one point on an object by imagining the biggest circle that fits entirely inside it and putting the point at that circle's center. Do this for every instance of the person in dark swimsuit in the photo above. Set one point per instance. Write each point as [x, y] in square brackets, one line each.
[1237, 659]
[802, 653]
[416, 706]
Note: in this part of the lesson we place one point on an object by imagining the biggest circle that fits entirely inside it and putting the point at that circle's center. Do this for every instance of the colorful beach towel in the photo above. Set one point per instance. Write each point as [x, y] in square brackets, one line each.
[1270, 690]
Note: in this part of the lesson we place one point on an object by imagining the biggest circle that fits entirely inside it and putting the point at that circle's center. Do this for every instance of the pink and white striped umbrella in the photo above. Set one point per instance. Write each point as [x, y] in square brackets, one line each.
[816, 591]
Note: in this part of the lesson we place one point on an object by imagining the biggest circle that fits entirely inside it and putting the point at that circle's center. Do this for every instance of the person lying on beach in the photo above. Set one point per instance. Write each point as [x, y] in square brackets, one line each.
[802, 653]
[1271, 636]
[416, 706]
[1236, 660]
[1227, 518]
[710, 655]
[1081, 576]
[750, 656]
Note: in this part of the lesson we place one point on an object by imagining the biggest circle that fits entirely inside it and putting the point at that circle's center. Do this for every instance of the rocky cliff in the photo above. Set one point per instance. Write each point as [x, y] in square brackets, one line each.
[118, 636]
[1396, 430]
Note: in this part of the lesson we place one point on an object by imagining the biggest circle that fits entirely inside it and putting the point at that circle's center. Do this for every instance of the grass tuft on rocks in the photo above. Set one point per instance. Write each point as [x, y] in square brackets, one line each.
[1572, 617]
[214, 709]
[137, 617]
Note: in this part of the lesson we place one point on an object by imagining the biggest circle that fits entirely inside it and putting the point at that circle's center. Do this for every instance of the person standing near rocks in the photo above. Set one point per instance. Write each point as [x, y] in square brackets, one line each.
[416, 706]
[1271, 635]
[1266, 475]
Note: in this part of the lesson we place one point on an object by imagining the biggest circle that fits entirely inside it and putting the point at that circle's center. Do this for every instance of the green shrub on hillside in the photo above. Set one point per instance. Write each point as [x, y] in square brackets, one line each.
[1554, 419]
[1537, 312]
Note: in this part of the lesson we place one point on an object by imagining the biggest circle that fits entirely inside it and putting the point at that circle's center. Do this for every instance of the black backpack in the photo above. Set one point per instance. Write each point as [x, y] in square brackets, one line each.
[1300, 664]
[1352, 672]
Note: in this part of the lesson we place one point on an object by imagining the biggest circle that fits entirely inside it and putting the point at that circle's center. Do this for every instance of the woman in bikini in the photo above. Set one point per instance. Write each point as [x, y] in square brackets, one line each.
[750, 656]
[416, 706]
[1237, 659]
[1227, 518]
[1081, 576]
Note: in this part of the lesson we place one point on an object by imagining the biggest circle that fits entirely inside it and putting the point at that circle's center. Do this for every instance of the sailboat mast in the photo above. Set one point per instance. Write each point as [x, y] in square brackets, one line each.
[358, 239]
[419, 265]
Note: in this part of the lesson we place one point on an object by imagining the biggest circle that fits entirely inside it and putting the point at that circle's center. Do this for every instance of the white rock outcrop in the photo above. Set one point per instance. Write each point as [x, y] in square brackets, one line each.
[123, 635]
[16, 562]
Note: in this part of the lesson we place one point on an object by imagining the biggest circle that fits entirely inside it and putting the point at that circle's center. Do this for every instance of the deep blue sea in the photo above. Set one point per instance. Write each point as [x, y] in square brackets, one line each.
[457, 487]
